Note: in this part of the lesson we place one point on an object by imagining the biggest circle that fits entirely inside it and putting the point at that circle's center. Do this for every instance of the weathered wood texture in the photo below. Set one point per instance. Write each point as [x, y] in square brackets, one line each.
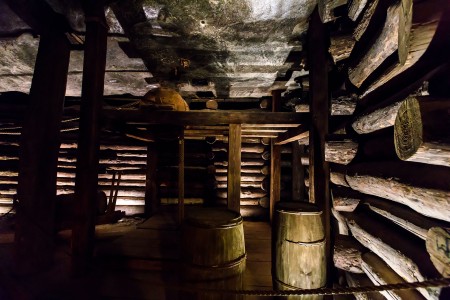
[401, 250]
[421, 131]
[395, 30]
[340, 150]
[34, 248]
[427, 193]
[345, 199]
[377, 119]
[341, 222]
[403, 216]
[234, 167]
[380, 273]
[337, 174]
[347, 254]
[340, 106]
[358, 280]
[365, 19]
[326, 8]
[275, 160]
[355, 8]
[86, 181]
[425, 21]
[341, 47]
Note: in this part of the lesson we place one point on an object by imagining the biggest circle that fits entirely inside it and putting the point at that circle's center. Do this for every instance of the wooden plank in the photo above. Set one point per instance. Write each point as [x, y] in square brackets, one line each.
[34, 246]
[89, 137]
[234, 167]
[275, 161]
[292, 135]
[204, 118]
[151, 186]
[319, 172]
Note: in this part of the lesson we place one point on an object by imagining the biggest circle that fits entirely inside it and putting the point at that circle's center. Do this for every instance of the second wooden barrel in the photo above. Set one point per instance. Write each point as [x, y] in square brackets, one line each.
[298, 247]
[213, 251]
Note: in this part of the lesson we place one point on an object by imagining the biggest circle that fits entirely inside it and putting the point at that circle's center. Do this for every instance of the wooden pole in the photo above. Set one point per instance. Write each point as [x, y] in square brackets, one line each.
[39, 146]
[181, 178]
[151, 187]
[234, 167]
[319, 172]
[89, 139]
[298, 173]
[275, 160]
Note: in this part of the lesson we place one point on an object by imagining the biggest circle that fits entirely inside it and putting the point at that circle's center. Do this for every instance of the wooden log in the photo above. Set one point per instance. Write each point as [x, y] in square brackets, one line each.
[438, 247]
[355, 8]
[393, 37]
[401, 250]
[254, 212]
[345, 199]
[275, 161]
[428, 194]
[33, 250]
[212, 104]
[304, 158]
[403, 216]
[340, 150]
[347, 254]
[247, 148]
[337, 174]
[425, 20]
[244, 177]
[377, 119]
[261, 170]
[380, 274]
[421, 131]
[244, 163]
[359, 280]
[341, 46]
[365, 20]
[340, 106]
[234, 168]
[244, 193]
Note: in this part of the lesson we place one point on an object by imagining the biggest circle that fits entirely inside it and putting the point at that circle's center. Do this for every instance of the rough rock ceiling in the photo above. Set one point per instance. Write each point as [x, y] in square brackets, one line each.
[225, 48]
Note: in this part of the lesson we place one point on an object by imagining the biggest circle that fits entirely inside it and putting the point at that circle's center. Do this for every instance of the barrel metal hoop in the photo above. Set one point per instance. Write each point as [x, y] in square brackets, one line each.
[316, 243]
[302, 213]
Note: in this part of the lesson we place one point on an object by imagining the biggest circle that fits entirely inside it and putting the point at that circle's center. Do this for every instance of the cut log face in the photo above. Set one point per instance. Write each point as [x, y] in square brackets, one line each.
[385, 45]
[421, 131]
[347, 254]
[380, 274]
[341, 46]
[428, 194]
[438, 246]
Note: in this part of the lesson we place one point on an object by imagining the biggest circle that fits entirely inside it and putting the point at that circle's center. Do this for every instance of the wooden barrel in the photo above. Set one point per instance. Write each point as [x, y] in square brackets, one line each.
[298, 247]
[213, 251]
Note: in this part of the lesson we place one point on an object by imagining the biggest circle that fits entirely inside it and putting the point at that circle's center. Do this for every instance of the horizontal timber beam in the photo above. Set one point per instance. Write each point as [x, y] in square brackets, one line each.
[204, 117]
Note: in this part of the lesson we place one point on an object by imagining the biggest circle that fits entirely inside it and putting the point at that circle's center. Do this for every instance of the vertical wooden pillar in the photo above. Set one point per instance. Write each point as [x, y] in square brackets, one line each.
[86, 181]
[275, 159]
[298, 173]
[181, 178]
[319, 172]
[151, 186]
[39, 148]
[234, 168]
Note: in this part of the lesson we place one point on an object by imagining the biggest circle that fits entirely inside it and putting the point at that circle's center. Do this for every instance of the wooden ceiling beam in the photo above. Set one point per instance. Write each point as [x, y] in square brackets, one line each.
[203, 118]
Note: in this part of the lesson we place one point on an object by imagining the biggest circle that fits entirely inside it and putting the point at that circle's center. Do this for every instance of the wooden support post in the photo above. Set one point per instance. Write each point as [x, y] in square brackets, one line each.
[86, 181]
[234, 167]
[298, 173]
[181, 177]
[275, 160]
[319, 172]
[151, 187]
[39, 147]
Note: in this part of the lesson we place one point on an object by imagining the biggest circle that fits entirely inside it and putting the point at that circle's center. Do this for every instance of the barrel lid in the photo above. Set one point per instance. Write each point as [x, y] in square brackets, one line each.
[304, 207]
[212, 217]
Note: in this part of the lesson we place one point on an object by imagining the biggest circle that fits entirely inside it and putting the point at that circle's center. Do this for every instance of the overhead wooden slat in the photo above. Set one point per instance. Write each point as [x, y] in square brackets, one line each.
[204, 117]
[294, 134]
